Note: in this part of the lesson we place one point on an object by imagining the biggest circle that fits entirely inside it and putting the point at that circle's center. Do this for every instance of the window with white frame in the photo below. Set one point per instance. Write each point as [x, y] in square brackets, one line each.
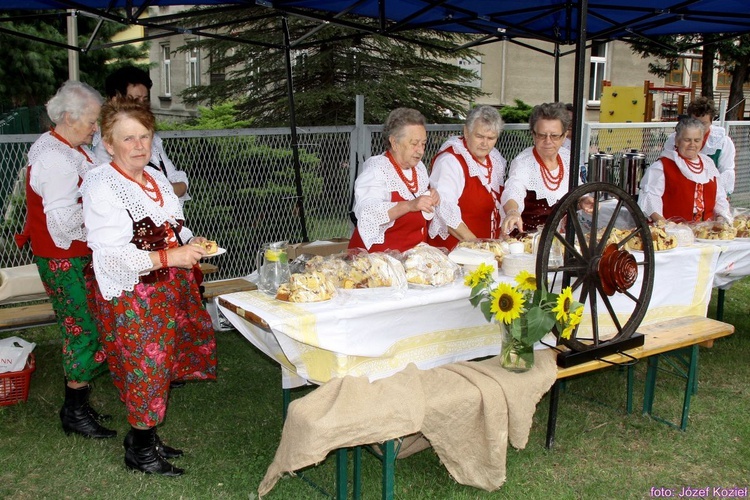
[597, 71]
[166, 71]
[193, 67]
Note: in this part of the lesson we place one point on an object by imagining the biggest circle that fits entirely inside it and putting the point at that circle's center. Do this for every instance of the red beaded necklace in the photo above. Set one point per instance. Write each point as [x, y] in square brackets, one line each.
[413, 184]
[695, 166]
[62, 139]
[152, 191]
[552, 181]
[488, 166]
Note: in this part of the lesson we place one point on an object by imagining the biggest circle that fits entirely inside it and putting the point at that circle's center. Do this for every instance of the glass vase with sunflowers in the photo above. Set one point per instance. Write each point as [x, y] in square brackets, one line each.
[524, 312]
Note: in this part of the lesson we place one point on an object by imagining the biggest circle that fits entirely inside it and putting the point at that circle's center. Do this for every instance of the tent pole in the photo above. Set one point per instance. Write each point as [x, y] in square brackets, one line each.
[73, 65]
[293, 127]
[580, 76]
[557, 72]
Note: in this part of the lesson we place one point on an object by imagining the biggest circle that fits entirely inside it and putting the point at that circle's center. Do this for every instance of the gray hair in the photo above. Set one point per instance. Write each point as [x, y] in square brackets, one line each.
[73, 98]
[550, 111]
[685, 123]
[397, 120]
[485, 115]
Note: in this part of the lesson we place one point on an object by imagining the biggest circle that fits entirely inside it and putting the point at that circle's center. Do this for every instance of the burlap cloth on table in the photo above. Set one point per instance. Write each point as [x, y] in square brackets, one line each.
[468, 412]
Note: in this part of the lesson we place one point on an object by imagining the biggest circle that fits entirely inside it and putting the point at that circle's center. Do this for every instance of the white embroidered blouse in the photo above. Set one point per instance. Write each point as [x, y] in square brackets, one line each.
[653, 184]
[55, 170]
[111, 203]
[525, 175]
[372, 196]
[447, 177]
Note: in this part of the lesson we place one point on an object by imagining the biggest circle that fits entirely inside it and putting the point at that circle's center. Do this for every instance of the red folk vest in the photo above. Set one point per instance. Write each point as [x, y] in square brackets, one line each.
[476, 204]
[408, 231]
[679, 194]
[36, 229]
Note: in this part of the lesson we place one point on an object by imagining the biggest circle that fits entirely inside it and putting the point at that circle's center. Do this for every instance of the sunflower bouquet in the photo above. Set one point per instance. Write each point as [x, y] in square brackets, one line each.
[526, 313]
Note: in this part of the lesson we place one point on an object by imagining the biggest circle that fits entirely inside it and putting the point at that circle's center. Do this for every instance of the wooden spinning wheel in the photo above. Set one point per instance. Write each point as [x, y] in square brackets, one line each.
[576, 248]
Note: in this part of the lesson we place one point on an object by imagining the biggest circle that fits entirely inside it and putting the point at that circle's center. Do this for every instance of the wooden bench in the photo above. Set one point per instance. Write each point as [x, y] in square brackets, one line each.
[677, 339]
[25, 315]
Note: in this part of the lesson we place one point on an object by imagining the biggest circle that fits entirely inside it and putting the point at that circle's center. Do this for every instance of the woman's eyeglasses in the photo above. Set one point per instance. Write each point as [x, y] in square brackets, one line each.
[553, 137]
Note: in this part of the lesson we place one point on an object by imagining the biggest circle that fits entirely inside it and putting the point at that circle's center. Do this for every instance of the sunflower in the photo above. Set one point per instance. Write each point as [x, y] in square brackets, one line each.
[564, 300]
[575, 316]
[479, 275]
[507, 303]
[526, 281]
[567, 332]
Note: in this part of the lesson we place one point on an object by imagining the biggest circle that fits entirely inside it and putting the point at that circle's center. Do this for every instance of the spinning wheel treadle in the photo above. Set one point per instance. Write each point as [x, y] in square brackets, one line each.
[597, 270]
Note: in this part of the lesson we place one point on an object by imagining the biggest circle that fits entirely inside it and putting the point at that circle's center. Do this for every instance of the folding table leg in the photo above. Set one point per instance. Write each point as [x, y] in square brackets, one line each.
[692, 375]
[720, 304]
[629, 404]
[648, 395]
[357, 472]
[389, 468]
[342, 478]
[552, 417]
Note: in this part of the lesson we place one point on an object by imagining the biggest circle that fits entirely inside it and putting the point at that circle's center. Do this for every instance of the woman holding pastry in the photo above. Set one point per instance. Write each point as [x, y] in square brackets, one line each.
[468, 172]
[157, 329]
[538, 176]
[684, 183]
[392, 199]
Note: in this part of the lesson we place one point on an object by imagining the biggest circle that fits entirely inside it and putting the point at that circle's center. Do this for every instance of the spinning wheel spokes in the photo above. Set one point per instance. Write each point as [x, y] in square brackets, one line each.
[613, 285]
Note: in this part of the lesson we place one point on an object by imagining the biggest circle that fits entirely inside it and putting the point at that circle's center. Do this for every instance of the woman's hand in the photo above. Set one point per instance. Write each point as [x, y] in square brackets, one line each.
[186, 256]
[425, 203]
[512, 220]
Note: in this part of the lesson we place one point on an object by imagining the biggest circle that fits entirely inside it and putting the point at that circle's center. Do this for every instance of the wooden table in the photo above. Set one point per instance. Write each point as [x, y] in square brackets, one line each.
[670, 338]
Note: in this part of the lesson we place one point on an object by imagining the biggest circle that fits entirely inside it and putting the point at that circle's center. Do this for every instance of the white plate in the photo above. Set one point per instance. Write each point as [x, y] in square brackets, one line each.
[220, 251]
[714, 242]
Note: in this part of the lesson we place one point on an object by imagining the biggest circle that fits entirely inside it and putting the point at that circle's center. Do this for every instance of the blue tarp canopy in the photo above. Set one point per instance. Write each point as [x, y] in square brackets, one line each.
[551, 20]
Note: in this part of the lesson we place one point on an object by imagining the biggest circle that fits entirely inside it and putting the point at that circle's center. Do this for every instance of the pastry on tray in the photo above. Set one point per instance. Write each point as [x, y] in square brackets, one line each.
[660, 238]
[306, 287]
[714, 230]
[427, 265]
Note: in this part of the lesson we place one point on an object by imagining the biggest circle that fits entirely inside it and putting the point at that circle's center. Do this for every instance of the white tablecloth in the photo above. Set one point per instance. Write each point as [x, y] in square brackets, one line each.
[734, 262]
[368, 333]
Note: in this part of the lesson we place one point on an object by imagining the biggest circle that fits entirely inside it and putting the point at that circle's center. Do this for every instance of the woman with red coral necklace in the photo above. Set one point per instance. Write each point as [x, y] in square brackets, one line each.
[684, 184]
[157, 329]
[468, 171]
[538, 176]
[392, 199]
[54, 225]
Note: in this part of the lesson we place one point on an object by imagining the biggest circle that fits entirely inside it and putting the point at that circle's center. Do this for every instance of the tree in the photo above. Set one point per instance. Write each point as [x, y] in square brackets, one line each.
[32, 71]
[734, 55]
[737, 55]
[333, 67]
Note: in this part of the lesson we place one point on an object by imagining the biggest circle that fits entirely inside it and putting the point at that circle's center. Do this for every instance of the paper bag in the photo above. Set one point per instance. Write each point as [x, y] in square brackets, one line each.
[13, 354]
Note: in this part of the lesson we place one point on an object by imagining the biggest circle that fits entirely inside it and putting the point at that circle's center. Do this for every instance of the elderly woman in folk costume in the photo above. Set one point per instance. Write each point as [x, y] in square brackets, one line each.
[392, 195]
[684, 184]
[157, 329]
[538, 176]
[54, 225]
[468, 172]
[716, 143]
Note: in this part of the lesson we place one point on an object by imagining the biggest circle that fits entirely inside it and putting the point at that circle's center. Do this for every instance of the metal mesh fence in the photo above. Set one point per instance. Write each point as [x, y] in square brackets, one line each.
[242, 182]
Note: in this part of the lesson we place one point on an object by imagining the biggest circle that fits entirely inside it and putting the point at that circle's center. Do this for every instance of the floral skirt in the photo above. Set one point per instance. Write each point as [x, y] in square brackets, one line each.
[71, 287]
[157, 333]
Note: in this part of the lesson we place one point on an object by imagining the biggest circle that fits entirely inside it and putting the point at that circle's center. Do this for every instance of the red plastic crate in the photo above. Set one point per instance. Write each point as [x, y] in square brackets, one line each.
[14, 386]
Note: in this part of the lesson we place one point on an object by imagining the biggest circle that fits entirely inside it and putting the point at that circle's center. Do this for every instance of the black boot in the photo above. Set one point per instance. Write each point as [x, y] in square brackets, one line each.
[142, 456]
[76, 417]
[162, 449]
[99, 417]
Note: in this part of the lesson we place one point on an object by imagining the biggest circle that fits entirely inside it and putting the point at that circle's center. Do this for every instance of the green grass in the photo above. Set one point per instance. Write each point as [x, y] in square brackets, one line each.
[230, 429]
